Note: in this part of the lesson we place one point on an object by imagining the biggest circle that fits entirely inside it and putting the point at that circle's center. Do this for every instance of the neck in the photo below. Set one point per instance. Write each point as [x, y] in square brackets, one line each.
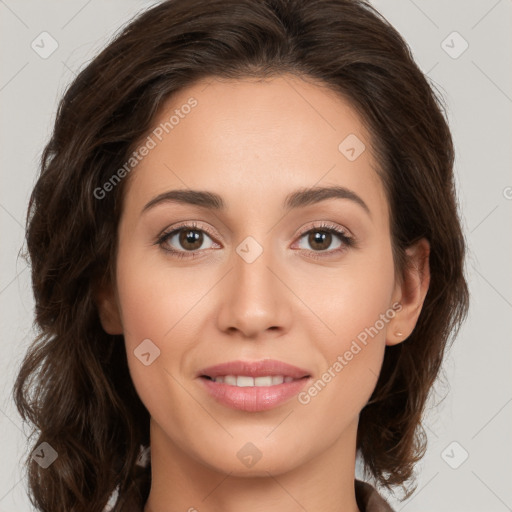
[181, 481]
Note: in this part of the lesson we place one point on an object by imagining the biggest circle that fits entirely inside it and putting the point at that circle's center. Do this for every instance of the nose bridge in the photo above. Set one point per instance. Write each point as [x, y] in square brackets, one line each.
[253, 300]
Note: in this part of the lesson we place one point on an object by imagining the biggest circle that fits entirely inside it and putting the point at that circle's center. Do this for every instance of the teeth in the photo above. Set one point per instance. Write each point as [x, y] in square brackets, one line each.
[242, 381]
[228, 379]
[263, 381]
[277, 379]
[246, 381]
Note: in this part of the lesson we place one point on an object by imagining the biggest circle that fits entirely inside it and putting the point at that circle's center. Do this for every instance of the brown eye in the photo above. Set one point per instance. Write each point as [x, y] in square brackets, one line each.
[322, 240]
[190, 239]
[319, 240]
[326, 240]
[185, 239]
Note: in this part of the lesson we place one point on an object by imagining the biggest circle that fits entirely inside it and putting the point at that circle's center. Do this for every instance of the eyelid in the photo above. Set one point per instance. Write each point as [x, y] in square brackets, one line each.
[190, 224]
[348, 241]
[323, 224]
[170, 231]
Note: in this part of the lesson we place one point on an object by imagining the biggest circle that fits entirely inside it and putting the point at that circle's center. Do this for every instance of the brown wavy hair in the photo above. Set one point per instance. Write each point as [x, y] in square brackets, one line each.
[73, 384]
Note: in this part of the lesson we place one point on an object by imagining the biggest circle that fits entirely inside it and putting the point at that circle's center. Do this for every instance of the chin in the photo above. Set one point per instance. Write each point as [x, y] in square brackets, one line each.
[254, 460]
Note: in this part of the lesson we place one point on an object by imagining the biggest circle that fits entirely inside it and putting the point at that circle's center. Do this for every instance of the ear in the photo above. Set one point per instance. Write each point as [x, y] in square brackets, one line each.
[108, 310]
[410, 292]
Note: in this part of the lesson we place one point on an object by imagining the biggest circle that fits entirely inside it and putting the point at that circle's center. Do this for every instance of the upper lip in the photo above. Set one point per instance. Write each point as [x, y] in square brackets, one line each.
[261, 368]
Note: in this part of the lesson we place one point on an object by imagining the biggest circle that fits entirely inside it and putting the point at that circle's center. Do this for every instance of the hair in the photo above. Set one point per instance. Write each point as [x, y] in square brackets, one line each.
[73, 384]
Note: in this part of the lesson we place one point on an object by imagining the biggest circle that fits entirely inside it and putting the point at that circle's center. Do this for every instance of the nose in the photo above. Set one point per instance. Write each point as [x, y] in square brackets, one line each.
[254, 301]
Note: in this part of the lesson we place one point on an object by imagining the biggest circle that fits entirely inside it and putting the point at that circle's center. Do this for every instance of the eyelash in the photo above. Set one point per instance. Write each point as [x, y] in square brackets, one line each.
[325, 227]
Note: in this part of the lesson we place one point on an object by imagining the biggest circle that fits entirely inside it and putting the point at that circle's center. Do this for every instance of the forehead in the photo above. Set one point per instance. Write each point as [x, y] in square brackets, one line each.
[257, 139]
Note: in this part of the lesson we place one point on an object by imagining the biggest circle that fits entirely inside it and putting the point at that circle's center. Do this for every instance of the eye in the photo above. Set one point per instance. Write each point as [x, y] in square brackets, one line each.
[326, 236]
[187, 238]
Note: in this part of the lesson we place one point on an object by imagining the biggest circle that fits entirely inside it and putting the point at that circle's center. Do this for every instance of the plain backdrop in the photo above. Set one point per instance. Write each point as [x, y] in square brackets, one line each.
[465, 47]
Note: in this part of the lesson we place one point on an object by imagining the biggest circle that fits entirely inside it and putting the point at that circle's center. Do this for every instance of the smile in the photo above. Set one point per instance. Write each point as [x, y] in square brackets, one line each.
[247, 381]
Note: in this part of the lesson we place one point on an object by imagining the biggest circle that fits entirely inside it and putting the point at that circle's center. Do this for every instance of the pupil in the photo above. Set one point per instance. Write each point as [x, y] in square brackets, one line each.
[318, 237]
[189, 238]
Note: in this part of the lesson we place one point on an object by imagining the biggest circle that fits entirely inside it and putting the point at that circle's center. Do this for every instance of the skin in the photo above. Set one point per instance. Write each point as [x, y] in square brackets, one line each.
[254, 142]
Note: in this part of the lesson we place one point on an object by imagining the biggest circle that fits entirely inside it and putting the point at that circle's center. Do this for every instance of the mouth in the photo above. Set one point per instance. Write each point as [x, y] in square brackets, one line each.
[243, 381]
[253, 386]
[266, 372]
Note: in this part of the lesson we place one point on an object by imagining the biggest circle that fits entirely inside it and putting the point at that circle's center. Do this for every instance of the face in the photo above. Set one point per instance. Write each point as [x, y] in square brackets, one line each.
[265, 272]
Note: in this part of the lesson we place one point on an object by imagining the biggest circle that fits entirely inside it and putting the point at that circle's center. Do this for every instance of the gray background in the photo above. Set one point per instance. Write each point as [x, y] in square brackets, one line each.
[476, 412]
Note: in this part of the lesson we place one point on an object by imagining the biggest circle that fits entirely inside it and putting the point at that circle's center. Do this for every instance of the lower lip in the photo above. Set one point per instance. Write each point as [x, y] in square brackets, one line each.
[253, 398]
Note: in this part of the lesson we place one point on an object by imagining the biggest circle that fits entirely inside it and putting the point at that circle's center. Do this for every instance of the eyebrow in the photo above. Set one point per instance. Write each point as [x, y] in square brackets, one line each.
[297, 199]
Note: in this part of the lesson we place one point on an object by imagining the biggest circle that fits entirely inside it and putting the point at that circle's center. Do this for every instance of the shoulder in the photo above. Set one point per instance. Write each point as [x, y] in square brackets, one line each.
[369, 500]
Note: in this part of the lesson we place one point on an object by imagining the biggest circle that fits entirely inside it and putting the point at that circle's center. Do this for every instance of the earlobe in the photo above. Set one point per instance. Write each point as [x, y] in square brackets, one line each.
[108, 311]
[411, 292]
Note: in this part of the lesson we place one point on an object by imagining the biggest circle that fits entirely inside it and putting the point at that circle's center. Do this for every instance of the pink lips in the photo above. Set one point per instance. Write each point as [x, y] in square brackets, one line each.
[254, 369]
[253, 398]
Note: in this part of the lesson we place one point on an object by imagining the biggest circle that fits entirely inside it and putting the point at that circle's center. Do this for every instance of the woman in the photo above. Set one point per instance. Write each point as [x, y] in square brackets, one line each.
[246, 255]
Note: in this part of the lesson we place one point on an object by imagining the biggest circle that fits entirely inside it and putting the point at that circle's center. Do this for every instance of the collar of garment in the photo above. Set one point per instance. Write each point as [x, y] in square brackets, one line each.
[367, 498]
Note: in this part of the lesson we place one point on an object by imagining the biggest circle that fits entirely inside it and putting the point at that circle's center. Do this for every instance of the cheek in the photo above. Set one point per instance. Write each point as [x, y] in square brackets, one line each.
[355, 304]
[351, 362]
[353, 297]
[155, 298]
[157, 308]
[167, 306]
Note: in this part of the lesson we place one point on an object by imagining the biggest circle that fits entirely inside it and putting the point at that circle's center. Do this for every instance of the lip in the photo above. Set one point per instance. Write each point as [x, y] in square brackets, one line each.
[253, 398]
[261, 368]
